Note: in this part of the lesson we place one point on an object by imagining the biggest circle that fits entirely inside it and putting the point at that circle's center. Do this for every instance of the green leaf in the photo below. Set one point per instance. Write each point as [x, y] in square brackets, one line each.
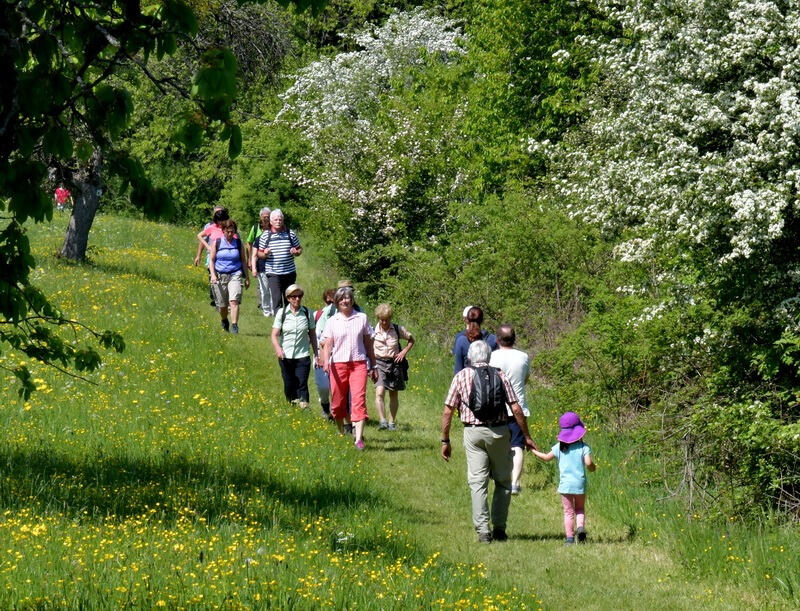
[235, 142]
[84, 150]
[58, 142]
[180, 16]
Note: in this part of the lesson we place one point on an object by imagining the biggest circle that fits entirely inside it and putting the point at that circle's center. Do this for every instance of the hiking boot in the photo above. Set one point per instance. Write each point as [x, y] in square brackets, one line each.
[499, 534]
[484, 538]
[348, 429]
[581, 532]
[383, 425]
[392, 426]
[516, 489]
[303, 405]
[234, 328]
[225, 324]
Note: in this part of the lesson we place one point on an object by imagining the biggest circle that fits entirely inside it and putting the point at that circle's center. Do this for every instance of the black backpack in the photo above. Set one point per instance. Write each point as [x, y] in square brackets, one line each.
[487, 398]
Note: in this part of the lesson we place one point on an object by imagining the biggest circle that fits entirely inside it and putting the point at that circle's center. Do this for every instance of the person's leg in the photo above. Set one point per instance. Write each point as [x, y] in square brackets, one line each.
[516, 471]
[234, 310]
[287, 376]
[478, 477]
[266, 296]
[285, 281]
[339, 377]
[580, 512]
[379, 392]
[499, 450]
[220, 290]
[301, 372]
[567, 501]
[323, 390]
[234, 289]
[358, 398]
[274, 285]
[394, 402]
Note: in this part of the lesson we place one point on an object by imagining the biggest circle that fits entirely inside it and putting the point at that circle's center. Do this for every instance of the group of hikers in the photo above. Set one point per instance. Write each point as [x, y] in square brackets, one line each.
[345, 350]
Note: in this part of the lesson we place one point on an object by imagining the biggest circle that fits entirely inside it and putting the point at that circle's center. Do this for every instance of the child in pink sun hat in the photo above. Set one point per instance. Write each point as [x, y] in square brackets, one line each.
[574, 457]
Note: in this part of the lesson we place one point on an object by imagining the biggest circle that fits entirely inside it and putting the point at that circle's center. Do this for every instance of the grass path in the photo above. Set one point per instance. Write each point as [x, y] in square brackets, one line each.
[615, 572]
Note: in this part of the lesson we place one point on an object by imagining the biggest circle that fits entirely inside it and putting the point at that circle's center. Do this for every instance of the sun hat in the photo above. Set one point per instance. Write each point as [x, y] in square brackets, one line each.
[572, 428]
[466, 311]
[293, 288]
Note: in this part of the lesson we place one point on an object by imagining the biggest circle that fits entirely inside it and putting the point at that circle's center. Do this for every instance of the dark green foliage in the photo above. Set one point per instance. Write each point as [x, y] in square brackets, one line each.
[59, 99]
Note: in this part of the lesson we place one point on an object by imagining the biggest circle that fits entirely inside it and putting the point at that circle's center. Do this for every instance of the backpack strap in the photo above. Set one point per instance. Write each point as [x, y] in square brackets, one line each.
[306, 313]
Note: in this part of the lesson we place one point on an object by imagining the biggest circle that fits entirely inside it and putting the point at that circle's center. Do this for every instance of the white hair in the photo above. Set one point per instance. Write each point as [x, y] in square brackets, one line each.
[275, 214]
[479, 353]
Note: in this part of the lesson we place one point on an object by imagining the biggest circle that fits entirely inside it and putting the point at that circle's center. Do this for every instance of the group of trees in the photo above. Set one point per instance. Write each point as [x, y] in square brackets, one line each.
[618, 179]
[68, 71]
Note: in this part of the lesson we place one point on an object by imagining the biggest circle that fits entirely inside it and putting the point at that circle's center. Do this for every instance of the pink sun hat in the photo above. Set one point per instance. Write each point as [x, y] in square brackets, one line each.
[572, 429]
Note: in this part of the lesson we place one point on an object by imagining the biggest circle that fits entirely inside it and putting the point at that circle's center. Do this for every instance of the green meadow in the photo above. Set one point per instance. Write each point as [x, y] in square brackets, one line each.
[176, 476]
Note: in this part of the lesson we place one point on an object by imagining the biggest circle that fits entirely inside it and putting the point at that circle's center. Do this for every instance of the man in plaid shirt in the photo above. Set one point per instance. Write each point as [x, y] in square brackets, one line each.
[487, 446]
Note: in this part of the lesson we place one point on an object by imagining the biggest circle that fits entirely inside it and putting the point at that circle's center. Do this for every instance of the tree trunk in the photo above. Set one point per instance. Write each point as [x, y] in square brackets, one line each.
[86, 196]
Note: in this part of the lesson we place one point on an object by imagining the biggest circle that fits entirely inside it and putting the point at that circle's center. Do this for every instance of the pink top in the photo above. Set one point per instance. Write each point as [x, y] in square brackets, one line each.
[212, 232]
[460, 389]
[347, 335]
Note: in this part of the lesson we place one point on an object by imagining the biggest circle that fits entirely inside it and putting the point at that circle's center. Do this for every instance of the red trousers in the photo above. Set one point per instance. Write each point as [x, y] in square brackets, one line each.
[349, 377]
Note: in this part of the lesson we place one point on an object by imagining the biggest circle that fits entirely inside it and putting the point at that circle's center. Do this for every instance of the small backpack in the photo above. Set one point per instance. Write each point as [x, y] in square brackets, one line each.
[487, 398]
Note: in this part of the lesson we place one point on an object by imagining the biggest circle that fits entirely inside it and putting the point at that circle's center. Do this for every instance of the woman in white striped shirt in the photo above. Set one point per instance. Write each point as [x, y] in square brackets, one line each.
[278, 247]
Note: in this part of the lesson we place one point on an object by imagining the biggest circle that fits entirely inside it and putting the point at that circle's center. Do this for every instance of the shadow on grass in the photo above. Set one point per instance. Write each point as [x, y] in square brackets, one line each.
[552, 536]
[99, 485]
[397, 445]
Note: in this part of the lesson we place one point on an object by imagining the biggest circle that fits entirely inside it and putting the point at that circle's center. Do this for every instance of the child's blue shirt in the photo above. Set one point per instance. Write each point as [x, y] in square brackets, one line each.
[571, 467]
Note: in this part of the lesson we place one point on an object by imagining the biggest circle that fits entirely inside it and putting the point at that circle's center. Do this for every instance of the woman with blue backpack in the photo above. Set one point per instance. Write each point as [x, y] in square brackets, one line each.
[294, 339]
[227, 266]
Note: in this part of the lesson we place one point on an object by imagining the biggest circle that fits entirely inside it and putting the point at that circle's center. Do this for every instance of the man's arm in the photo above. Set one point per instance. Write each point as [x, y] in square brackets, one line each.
[447, 416]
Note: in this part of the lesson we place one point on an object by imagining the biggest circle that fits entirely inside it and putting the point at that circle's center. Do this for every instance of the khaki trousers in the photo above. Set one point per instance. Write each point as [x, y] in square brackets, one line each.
[489, 456]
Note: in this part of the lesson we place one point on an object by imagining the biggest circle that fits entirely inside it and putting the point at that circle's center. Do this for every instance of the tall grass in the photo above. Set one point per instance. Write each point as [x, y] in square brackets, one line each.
[182, 479]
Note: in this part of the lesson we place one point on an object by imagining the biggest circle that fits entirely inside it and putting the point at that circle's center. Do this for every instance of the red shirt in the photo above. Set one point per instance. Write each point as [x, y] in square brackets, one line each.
[62, 195]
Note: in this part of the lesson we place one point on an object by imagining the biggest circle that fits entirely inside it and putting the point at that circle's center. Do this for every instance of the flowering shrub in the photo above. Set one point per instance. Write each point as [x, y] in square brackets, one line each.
[689, 163]
[375, 132]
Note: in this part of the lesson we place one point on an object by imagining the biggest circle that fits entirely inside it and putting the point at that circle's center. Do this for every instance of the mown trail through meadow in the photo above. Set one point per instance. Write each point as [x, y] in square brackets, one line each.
[432, 498]
[182, 479]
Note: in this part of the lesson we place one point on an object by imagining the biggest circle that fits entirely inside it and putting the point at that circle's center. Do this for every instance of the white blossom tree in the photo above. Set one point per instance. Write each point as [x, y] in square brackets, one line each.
[690, 162]
[374, 134]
